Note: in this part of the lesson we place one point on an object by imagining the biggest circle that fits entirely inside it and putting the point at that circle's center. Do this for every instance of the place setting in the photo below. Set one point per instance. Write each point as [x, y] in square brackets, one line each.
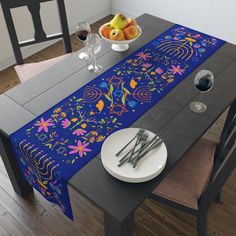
[134, 155]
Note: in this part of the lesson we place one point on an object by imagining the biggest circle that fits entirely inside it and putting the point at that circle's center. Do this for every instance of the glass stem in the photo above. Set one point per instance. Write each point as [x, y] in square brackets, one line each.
[200, 98]
[94, 60]
[83, 49]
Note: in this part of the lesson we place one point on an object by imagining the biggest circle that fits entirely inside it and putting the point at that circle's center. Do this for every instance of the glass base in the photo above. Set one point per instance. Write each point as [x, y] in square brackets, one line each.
[198, 107]
[84, 56]
[95, 68]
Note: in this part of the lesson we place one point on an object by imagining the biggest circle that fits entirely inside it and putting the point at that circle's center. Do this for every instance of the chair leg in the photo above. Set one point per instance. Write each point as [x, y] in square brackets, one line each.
[202, 219]
[114, 227]
[218, 198]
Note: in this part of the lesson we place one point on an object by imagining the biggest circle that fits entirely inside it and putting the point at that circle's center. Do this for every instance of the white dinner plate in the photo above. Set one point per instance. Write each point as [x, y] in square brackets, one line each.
[150, 166]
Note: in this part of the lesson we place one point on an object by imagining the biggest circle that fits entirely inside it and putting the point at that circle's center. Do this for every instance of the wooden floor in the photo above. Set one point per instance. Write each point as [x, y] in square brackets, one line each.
[35, 216]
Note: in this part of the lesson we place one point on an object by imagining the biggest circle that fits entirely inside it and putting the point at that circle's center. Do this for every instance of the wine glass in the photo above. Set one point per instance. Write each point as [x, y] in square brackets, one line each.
[204, 81]
[83, 31]
[94, 46]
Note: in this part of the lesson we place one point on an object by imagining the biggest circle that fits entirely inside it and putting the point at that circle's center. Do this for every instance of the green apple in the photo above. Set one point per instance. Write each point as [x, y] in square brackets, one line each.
[119, 21]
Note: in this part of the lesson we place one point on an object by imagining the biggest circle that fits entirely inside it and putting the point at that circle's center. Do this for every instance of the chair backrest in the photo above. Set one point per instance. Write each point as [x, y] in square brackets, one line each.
[225, 158]
[40, 35]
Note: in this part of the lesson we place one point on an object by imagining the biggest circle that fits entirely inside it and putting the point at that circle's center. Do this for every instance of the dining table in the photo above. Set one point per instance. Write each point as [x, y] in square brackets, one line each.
[171, 118]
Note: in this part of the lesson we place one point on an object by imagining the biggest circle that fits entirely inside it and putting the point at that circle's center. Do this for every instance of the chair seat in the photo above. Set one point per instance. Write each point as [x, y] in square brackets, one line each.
[186, 182]
[29, 70]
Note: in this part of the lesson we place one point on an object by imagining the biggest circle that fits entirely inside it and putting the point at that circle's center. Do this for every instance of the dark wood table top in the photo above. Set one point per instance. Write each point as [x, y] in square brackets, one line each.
[171, 117]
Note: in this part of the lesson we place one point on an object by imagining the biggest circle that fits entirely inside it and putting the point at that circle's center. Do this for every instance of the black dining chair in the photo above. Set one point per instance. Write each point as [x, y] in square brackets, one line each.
[27, 71]
[198, 178]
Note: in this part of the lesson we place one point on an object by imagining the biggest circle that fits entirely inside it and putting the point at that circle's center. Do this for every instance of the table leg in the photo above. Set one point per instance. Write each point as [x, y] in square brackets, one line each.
[114, 227]
[19, 184]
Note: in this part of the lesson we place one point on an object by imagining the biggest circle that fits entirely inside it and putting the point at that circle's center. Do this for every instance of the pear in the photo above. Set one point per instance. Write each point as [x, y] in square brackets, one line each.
[119, 21]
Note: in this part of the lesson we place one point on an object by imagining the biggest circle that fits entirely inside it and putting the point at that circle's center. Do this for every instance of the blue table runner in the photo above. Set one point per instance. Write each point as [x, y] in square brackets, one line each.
[58, 143]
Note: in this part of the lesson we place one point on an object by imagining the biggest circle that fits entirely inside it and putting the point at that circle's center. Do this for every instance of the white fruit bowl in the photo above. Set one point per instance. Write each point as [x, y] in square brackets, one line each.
[121, 46]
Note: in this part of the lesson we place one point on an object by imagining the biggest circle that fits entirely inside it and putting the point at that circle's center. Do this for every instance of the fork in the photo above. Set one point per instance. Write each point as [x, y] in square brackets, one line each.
[153, 146]
[138, 134]
[143, 141]
[125, 157]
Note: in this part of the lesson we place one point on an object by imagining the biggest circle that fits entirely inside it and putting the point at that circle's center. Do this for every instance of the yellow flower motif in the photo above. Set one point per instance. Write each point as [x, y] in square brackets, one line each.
[91, 140]
[100, 105]
[152, 73]
[63, 114]
[130, 61]
[92, 113]
[144, 69]
[133, 83]
[74, 119]
[100, 138]
[134, 64]
[57, 110]
[94, 133]
[84, 126]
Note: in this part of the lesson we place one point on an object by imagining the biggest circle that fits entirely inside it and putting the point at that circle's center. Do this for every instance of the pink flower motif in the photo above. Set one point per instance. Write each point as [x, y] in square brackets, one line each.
[144, 56]
[65, 123]
[159, 70]
[176, 69]
[79, 132]
[146, 65]
[80, 148]
[44, 124]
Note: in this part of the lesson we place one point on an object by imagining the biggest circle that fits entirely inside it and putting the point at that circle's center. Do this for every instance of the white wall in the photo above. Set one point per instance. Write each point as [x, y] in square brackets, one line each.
[214, 17]
[77, 10]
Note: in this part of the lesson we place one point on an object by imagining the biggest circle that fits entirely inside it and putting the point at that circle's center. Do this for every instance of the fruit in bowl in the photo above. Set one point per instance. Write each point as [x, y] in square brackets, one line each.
[120, 32]
[131, 32]
[120, 21]
[117, 34]
[106, 30]
[131, 21]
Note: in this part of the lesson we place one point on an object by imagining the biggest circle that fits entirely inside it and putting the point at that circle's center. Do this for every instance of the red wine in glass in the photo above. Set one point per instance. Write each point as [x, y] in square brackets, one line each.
[83, 31]
[204, 81]
[82, 35]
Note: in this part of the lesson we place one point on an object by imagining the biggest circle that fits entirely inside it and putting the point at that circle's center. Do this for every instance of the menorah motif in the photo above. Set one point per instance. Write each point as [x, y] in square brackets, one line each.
[91, 94]
[142, 94]
[41, 165]
[180, 49]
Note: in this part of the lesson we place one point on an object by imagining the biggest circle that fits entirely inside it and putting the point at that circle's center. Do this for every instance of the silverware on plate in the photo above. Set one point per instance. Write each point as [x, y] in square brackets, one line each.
[143, 142]
[153, 146]
[133, 156]
[139, 133]
[139, 136]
